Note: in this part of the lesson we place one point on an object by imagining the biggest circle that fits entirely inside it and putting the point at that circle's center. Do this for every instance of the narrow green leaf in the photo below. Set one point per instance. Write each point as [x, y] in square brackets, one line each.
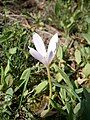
[63, 94]
[66, 78]
[57, 8]
[86, 70]
[2, 76]
[5, 36]
[79, 90]
[17, 87]
[41, 87]
[26, 74]
[7, 69]
[25, 93]
[55, 105]
[77, 108]
[69, 90]
[77, 56]
[60, 53]
[1, 86]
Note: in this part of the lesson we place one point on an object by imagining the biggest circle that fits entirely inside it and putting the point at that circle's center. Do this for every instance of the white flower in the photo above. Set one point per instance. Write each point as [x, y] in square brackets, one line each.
[41, 54]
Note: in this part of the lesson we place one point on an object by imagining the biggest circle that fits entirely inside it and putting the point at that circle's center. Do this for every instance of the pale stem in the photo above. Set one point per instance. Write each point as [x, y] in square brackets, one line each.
[49, 81]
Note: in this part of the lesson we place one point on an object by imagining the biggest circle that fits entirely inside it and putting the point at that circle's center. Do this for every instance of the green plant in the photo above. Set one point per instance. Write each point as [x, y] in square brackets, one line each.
[71, 15]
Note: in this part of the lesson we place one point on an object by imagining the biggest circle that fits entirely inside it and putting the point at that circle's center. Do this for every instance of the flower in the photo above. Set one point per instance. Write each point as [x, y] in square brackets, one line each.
[41, 54]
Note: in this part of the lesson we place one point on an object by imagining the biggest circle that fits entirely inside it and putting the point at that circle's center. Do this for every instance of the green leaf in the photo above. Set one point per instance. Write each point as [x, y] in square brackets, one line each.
[77, 108]
[87, 49]
[9, 80]
[88, 19]
[17, 87]
[2, 76]
[66, 78]
[56, 105]
[26, 74]
[77, 56]
[41, 87]
[63, 95]
[57, 8]
[55, 67]
[69, 90]
[59, 77]
[7, 69]
[25, 77]
[86, 70]
[12, 50]
[1, 86]
[87, 37]
[25, 93]
[60, 53]
[79, 90]
[5, 36]
[9, 94]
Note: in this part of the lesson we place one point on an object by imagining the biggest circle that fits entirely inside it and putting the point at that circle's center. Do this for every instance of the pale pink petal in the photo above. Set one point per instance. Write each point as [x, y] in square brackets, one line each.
[39, 44]
[53, 44]
[52, 47]
[37, 56]
[50, 57]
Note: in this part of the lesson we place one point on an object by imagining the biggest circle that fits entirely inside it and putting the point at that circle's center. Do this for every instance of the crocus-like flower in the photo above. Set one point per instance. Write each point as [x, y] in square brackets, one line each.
[41, 54]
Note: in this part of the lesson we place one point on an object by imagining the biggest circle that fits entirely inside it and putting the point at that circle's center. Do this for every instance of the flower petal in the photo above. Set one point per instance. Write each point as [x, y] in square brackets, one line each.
[37, 55]
[39, 44]
[50, 57]
[52, 44]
